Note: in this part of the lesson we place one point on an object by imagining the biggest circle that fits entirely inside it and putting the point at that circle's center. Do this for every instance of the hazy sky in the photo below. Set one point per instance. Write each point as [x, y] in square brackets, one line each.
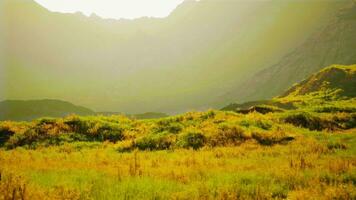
[128, 9]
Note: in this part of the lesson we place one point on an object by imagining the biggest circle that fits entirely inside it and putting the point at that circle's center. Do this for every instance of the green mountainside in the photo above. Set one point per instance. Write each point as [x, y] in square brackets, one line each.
[333, 44]
[336, 82]
[31, 109]
[167, 65]
[336, 77]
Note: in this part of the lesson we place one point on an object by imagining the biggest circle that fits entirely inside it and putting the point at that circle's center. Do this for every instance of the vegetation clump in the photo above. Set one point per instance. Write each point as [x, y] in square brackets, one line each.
[191, 139]
[263, 109]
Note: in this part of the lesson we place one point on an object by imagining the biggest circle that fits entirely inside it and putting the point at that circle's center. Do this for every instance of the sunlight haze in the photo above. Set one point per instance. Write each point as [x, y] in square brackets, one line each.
[116, 9]
[177, 99]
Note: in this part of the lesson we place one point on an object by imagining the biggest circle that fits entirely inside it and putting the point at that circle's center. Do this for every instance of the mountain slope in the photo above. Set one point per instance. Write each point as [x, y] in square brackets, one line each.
[32, 109]
[167, 65]
[331, 78]
[334, 44]
[334, 80]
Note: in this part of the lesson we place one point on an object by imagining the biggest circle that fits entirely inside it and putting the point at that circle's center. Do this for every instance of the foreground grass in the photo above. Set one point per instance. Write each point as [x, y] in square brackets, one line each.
[314, 166]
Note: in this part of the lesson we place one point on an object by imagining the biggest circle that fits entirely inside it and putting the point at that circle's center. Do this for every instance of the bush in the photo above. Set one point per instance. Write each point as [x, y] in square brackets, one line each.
[263, 109]
[106, 131]
[345, 120]
[227, 135]
[5, 134]
[29, 138]
[172, 127]
[271, 138]
[259, 123]
[208, 115]
[193, 140]
[309, 121]
[80, 125]
[15, 140]
[65, 138]
[159, 141]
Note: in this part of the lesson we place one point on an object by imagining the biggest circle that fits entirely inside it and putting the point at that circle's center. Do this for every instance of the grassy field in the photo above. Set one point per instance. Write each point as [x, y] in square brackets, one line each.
[315, 165]
[307, 152]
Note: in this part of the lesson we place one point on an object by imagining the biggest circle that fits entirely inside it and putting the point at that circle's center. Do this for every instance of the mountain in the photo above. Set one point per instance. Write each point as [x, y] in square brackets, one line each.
[333, 44]
[168, 65]
[31, 109]
[336, 78]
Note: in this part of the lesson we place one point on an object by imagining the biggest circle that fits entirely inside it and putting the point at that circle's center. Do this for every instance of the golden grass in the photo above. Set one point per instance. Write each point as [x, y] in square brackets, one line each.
[303, 169]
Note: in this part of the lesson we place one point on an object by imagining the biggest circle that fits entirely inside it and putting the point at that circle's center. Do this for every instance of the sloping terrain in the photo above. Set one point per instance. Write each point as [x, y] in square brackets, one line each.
[331, 78]
[335, 82]
[334, 44]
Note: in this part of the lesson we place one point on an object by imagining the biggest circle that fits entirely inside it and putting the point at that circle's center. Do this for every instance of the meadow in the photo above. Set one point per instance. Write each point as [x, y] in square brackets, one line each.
[268, 152]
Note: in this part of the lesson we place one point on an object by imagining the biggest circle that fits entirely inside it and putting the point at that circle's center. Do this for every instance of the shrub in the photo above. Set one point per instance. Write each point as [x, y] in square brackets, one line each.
[259, 123]
[159, 141]
[309, 121]
[15, 140]
[345, 120]
[271, 138]
[208, 115]
[227, 135]
[263, 109]
[65, 138]
[77, 125]
[172, 127]
[30, 138]
[263, 124]
[106, 131]
[193, 140]
[5, 134]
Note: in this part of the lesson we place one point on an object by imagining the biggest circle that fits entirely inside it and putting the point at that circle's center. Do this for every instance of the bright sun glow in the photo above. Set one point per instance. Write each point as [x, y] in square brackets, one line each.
[128, 9]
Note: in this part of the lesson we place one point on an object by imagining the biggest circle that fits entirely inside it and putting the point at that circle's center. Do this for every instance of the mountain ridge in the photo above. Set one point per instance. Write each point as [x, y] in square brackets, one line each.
[201, 47]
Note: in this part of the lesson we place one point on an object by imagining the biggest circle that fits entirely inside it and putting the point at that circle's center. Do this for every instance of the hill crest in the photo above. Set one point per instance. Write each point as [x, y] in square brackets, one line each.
[335, 77]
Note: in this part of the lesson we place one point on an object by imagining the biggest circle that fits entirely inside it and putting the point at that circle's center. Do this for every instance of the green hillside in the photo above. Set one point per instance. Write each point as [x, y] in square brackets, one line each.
[31, 109]
[336, 77]
[167, 65]
[333, 82]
